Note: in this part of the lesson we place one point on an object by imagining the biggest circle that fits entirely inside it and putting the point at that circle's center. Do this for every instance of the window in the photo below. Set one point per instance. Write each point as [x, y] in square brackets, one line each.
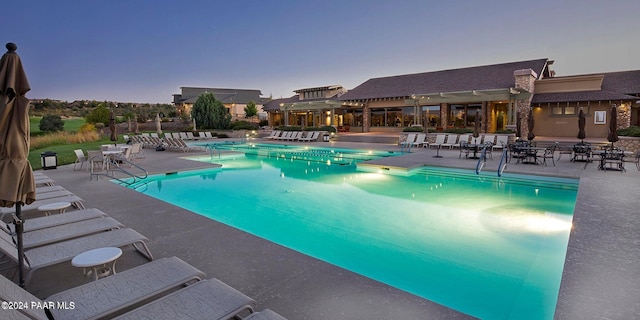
[568, 109]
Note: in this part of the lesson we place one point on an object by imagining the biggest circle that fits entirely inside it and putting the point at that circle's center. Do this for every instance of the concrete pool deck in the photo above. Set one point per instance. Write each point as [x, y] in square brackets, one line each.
[600, 278]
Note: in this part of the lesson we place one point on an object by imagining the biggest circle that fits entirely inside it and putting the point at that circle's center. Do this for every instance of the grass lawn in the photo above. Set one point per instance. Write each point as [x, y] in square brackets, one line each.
[71, 125]
[65, 152]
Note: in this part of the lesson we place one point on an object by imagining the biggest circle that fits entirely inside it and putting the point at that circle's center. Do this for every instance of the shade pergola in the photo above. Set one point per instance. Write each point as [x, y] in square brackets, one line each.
[472, 95]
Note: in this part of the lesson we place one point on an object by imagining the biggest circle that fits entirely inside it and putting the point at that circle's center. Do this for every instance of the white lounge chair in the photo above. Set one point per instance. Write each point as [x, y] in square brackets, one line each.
[452, 139]
[311, 136]
[58, 219]
[64, 251]
[273, 134]
[420, 141]
[501, 142]
[206, 299]
[104, 297]
[37, 238]
[74, 200]
[440, 139]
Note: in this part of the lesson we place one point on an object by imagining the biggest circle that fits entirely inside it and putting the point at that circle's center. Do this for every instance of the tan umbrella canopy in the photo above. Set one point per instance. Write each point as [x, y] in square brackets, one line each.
[16, 176]
[158, 124]
[613, 126]
[582, 121]
[530, 124]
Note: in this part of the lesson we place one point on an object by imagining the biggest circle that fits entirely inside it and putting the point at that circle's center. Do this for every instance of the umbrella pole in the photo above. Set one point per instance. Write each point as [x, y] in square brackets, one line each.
[17, 220]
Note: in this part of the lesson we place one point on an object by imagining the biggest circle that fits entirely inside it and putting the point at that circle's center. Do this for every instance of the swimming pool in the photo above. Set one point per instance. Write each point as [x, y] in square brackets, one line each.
[490, 247]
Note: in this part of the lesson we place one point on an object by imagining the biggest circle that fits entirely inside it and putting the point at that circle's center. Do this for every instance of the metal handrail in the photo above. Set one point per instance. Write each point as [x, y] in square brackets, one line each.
[114, 166]
[482, 159]
[503, 161]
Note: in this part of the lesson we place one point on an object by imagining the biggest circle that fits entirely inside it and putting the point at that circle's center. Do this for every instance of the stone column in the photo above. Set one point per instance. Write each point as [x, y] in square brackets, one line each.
[366, 117]
[524, 79]
[444, 115]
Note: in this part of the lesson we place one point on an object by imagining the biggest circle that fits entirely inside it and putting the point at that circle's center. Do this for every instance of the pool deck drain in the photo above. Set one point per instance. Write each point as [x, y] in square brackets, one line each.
[600, 278]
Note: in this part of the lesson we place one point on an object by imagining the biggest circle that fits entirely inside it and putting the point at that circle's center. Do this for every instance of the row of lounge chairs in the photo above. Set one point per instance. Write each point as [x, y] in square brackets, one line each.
[452, 140]
[166, 288]
[170, 143]
[307, 136]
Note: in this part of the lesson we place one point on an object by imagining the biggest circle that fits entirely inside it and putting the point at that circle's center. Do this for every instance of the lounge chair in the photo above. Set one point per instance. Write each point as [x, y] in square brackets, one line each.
[489, 138]
[206, 299]
[477, 140]
[104, 297]
[407, 140]
[53, 194]
[265, 314]
[44, 256]
[440, 139]
[74, 200]
[311, 136]
[58, 219]
[80, 159]
[295, 136]
[45, 189]
[274, 134]
[501, 142]
[420, 140]
[37, 238]
[452, 139]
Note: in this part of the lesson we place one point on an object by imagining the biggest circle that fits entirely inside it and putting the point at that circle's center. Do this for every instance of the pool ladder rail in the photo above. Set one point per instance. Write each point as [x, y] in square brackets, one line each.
[483, 159]
[115, 165]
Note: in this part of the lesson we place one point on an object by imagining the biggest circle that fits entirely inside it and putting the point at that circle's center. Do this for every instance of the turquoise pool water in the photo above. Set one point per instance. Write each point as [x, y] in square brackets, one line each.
[490, 247]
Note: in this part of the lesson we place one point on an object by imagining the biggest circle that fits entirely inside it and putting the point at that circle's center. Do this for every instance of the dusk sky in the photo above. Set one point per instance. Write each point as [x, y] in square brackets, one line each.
[144, 51]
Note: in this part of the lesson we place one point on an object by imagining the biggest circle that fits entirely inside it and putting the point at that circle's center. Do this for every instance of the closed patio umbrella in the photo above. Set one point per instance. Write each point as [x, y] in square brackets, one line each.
[530, 124]
[16, 176]
[112, 127]
[158, 125]
[476, 125]
[613, 126]
[581, 124]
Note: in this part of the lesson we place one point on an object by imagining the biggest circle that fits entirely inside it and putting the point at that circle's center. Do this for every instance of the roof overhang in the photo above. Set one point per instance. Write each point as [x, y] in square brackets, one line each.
[310, 105]
[470, 96]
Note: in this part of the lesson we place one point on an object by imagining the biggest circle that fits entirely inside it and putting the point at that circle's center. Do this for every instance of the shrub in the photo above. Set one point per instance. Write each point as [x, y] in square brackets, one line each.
[51, 123]
[243, 125]
[633, 131]
[413, 129]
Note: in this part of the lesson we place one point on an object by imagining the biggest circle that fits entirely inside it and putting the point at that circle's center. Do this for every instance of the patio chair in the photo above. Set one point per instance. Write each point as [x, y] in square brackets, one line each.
[635, 159]
[53, 194]
[137, 152]
[407, 140]
[57, 219]
[80, 159]
[95, 158]
[44, 256]
[549, 154]
[206, 299]
[462, 138]
[106, 296]
[464, 149]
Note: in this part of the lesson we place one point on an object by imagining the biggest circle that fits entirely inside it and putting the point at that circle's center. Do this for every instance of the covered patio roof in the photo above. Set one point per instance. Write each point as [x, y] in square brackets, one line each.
[310, 105]
[505, 94]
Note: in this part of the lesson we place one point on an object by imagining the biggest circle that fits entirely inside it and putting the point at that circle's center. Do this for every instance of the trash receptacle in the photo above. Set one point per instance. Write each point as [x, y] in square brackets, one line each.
[49, 160]
[325, 137]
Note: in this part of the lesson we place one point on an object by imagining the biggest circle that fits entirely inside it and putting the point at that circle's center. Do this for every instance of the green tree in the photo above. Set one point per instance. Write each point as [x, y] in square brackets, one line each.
[250, 110]
[51, 123]
[99, 115]
[210, 113]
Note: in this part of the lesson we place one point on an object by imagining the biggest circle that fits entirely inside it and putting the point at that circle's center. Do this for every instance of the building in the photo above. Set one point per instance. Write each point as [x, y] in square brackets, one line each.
[235, 100]
[499, 94]
[309, 107]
